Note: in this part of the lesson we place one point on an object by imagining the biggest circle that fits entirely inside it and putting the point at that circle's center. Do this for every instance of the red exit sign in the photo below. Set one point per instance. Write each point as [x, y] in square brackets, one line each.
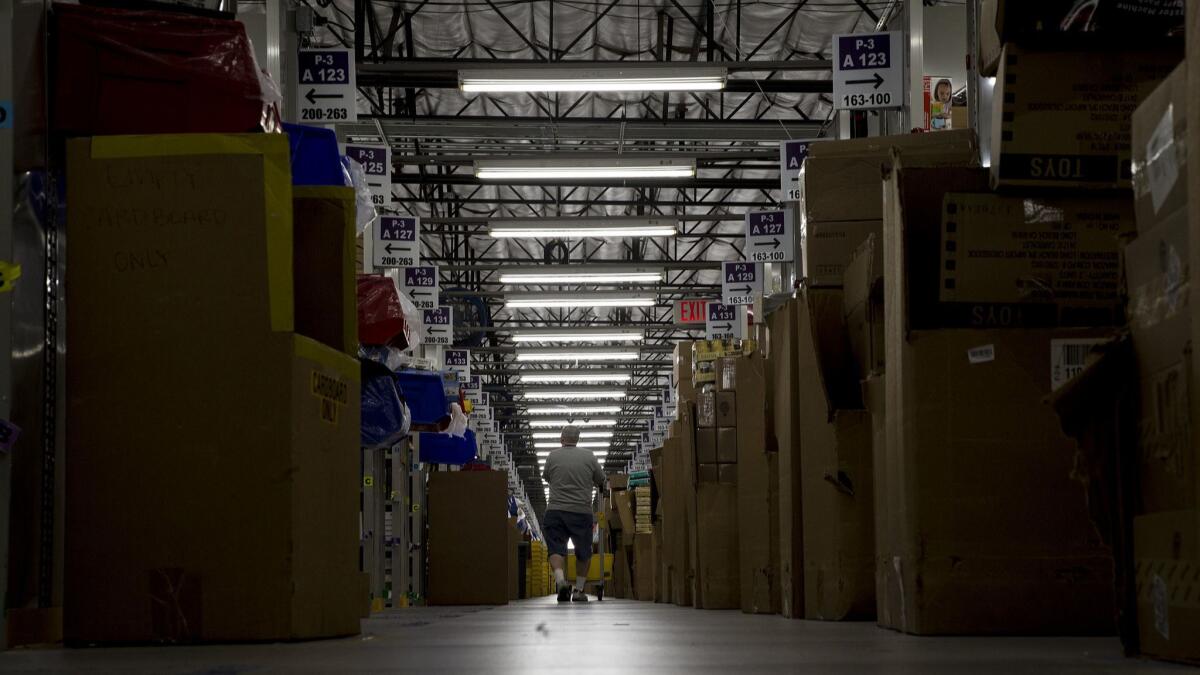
[691, 311]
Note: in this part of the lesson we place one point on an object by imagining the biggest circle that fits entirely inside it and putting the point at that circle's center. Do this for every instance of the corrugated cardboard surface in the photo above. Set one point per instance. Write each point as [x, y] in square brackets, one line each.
[758, 569]
[841, 179]
[726, 409]
[324, 258]
[836, 475]
[1158, 280]
[1160, 166]
[706, 445]
[992, 533]
[709, 473]
[189, 518]
[717, 566]
[785, 413]
[1057, 255]
[643, 567]
[886, 519]
[1168, 584]
[727, 445]
[863, 306]
[687, 422]
[661, 579]
[468, 538]
[1066, 117]
[828, 246]
[514, 543]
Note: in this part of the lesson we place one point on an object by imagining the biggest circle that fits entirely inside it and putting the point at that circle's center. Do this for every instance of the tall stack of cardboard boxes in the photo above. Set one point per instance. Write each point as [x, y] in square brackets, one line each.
[1158, 279]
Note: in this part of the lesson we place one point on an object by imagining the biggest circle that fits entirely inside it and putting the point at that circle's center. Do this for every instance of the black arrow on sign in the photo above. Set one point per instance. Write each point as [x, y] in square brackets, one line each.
[743, 289]
[392, 250]
[312, 96]
[727, 326]
[774, 243]
[877, 80]
[420, 293]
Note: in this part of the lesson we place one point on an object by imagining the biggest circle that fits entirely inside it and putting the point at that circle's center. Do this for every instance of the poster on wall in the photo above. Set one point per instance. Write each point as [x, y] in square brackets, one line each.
[939, 102]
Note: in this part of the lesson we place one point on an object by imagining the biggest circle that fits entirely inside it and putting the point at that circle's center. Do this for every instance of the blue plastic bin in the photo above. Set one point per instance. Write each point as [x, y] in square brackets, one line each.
[422, 391]
[315, 156]
[447, 449]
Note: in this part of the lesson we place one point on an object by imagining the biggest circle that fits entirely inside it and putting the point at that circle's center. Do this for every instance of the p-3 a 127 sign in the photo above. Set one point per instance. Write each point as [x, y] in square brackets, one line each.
[770, 236]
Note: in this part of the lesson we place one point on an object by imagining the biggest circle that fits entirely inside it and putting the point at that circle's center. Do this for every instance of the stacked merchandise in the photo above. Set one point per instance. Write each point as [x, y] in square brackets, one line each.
[468, 529]
[1157, 274]
[718, 581]
[825, 454]
[537, 574]
[743, 380]
[641, 503]
[141, 291]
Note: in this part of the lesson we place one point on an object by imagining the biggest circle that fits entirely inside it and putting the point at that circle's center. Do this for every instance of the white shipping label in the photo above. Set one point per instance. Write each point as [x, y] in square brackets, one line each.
[1068, 358]
[983, 354]
[1162, 159]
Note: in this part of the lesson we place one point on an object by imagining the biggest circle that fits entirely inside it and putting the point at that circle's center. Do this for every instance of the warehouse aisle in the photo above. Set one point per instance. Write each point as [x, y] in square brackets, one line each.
[540, 636]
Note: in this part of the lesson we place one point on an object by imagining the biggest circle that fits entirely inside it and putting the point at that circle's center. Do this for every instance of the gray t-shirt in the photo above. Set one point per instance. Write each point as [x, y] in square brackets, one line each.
[572, 473]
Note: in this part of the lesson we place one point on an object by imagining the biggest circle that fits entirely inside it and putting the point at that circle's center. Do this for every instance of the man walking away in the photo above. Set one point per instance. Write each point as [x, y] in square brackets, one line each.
[572, 473]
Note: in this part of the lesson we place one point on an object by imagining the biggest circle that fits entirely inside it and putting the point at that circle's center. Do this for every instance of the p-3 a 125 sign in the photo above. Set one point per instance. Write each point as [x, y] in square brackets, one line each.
[868, 71]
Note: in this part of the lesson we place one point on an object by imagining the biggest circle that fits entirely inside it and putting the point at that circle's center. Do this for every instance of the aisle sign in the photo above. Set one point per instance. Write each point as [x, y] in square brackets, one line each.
[376, 161]
[740, 282]
[474, 391]
[439, 326]
[723, 322]
[325, 91]
[690, 311]
[770, 236]
[484, 426]
[868, 70]
[421, 285]
[458, 361]
[791, 159]
[396, 241]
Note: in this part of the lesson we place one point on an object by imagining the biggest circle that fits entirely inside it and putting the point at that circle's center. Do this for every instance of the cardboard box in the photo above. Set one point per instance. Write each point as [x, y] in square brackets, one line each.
[990, 278]
[643, 567]
[828, 246]
[840, 180]
[726, 409]
[717, 565]
[1107, 23]
[706, 446]
[1160, 151]
[178, 534]
[686, 391]
[836, 471]
[688, 479]
[1065, 116]
[325, 290]
[1167, 556]
[1056, 259]
[706, 409]
[758, 564]
[661, 591]
[514, 562]
[468, 537]
[727, 373]
[681, 360]
[887, 525]
[727, 445]
[728, 474]
[785, 383]
[1159, 310]
[863, 306]
[709, 473]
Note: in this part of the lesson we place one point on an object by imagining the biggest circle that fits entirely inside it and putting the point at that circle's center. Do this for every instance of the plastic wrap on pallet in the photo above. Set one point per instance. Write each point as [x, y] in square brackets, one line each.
[120, 71]
[385, 417]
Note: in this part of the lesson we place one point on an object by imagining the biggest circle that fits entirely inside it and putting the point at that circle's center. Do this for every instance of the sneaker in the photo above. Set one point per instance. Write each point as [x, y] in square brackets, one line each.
[578, 596]
[564, 593]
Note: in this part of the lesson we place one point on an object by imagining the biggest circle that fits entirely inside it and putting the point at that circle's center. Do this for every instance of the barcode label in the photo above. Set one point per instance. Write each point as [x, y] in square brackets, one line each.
[1068, 358]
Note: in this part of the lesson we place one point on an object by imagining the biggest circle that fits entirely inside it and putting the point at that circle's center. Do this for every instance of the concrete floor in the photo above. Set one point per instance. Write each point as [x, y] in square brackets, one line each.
[539, 636]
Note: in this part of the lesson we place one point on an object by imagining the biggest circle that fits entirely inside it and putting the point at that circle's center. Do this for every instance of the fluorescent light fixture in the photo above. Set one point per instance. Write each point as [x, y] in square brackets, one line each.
[579, 394]
[571, 301]
[582, 434]
[581, 444]
[578, 354]
[554, 274]
[569, 78]
[582, 336]
[560, 423]
[573, 410]
[586, 168]
[578, 228]
[574, 376]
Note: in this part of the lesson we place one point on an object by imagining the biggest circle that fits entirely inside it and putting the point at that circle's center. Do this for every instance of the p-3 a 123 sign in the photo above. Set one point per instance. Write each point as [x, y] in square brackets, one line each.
[868, 71]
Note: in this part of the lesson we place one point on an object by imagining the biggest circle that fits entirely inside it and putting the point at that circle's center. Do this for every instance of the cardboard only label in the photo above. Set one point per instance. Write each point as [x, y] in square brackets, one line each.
[332, 392]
